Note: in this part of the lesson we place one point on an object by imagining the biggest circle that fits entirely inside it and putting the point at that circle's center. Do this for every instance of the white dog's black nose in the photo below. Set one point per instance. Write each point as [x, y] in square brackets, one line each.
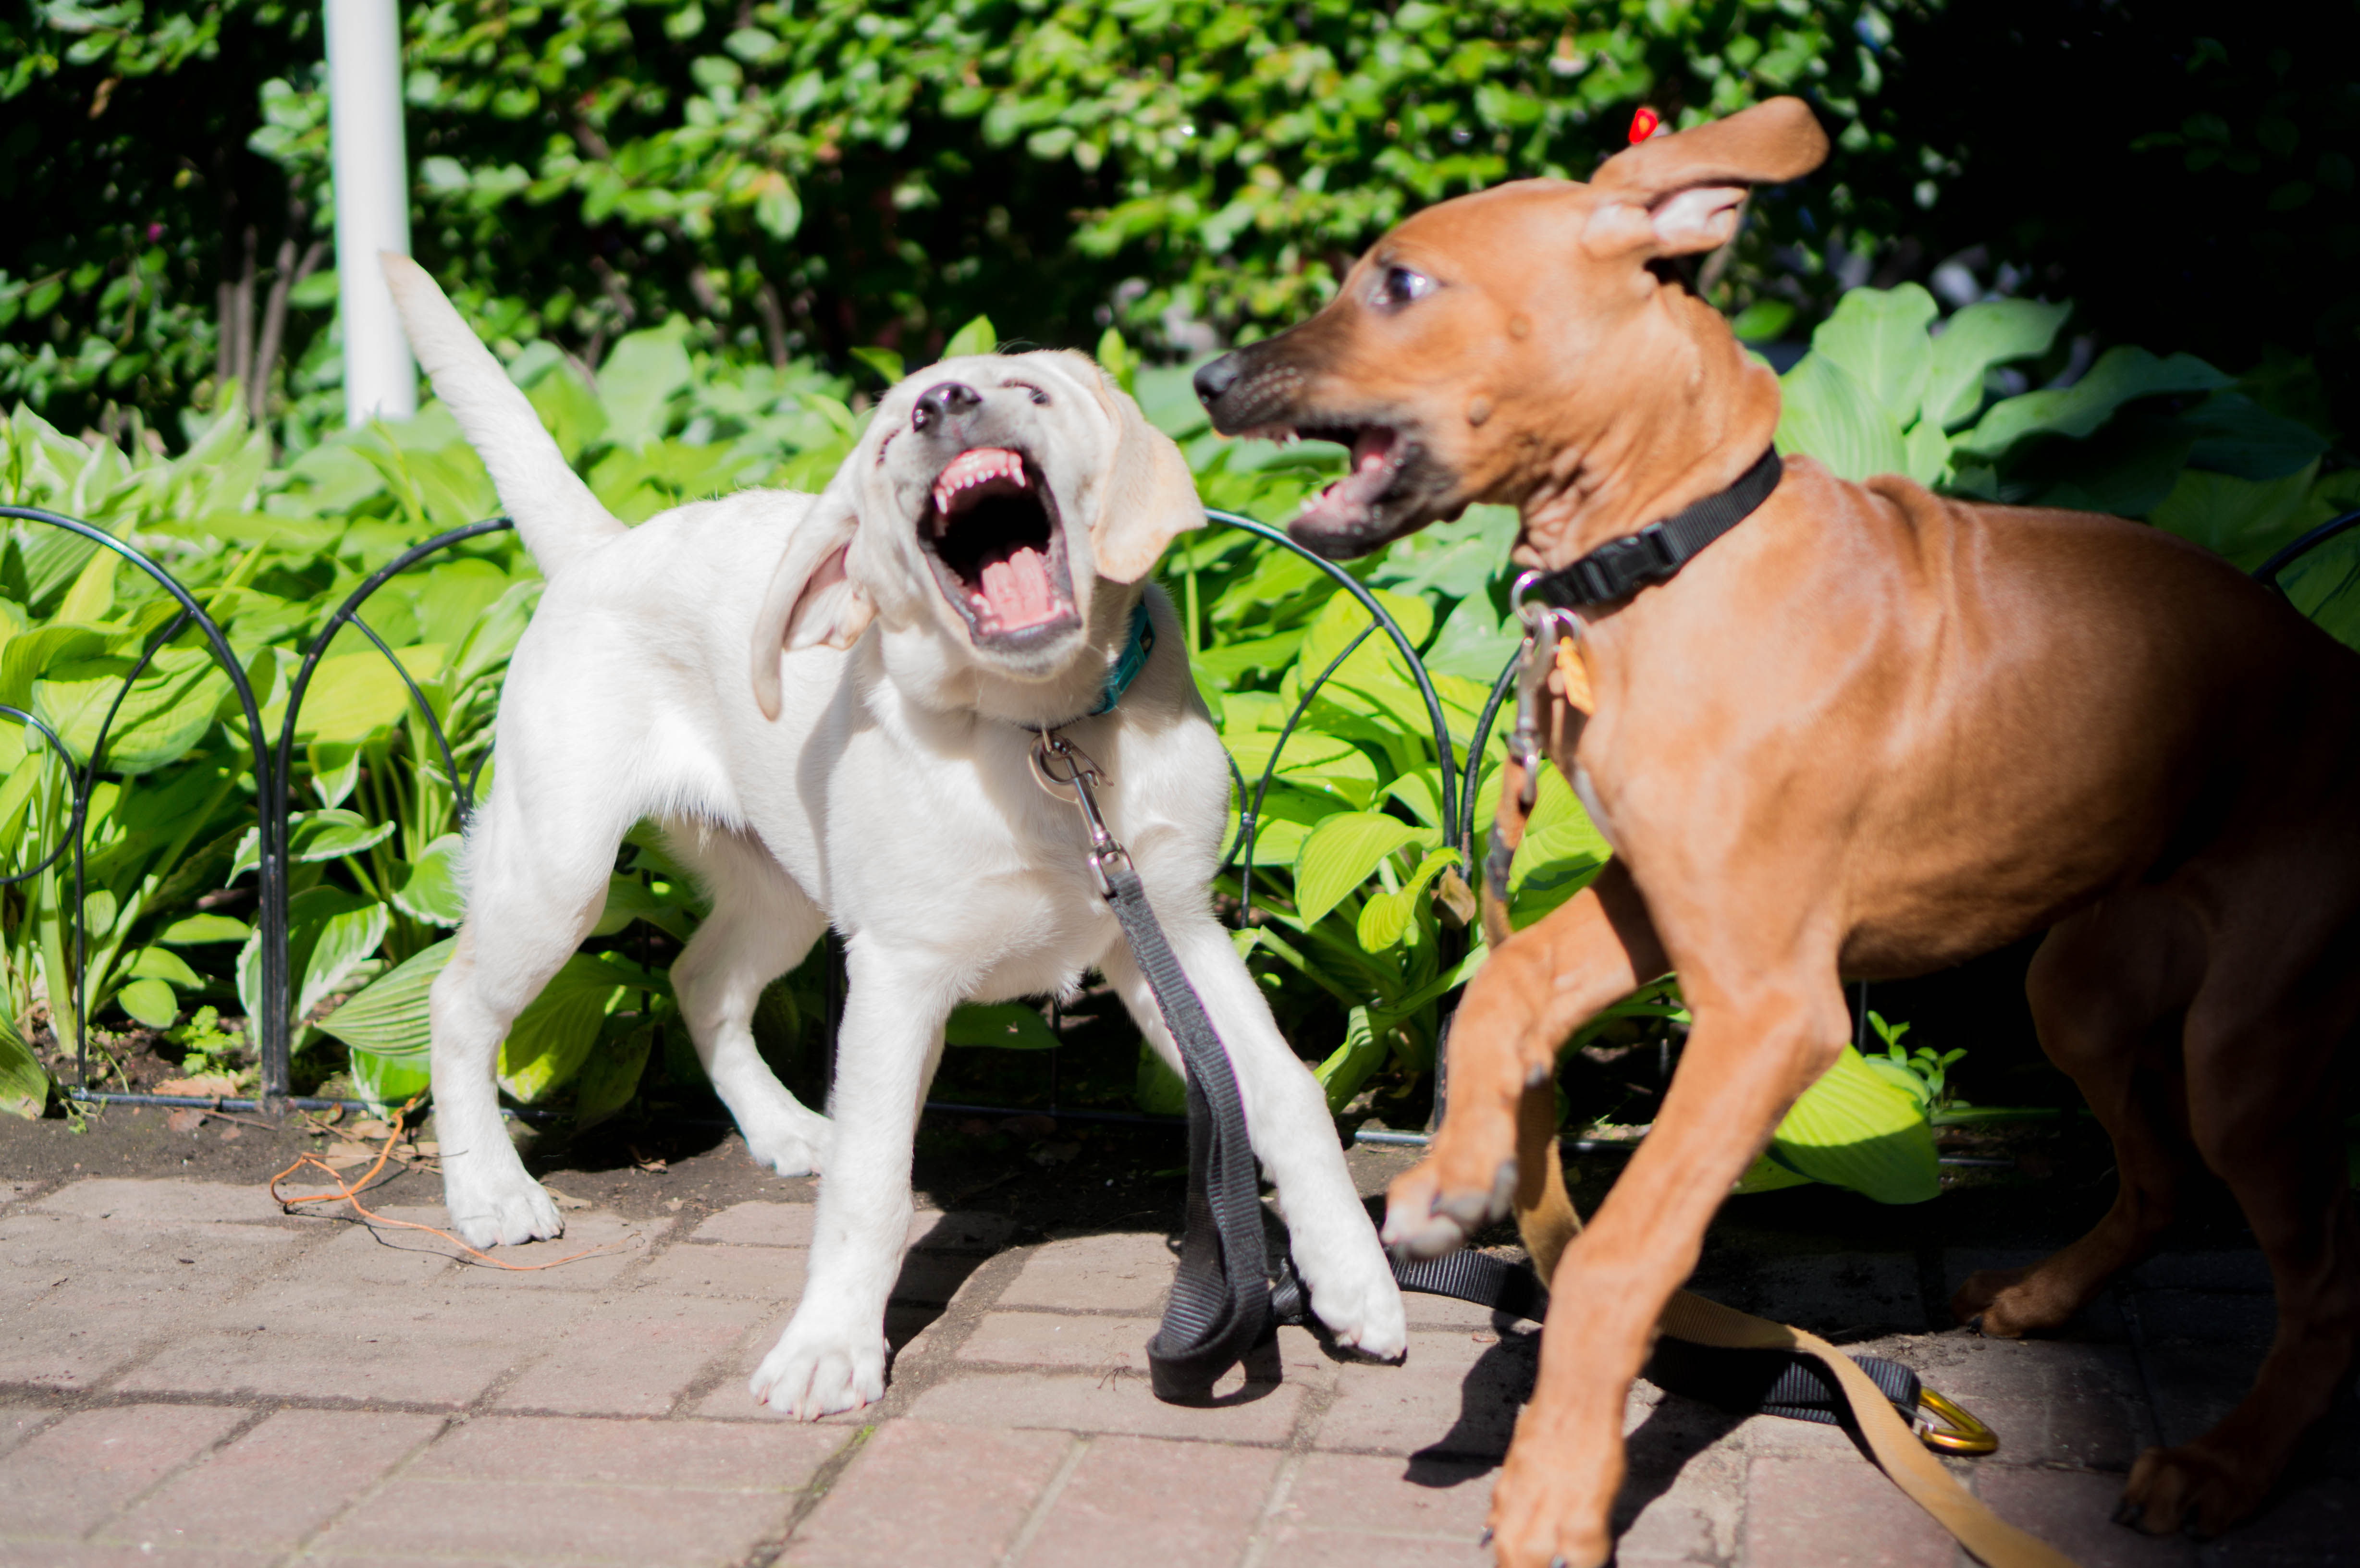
[947, 401]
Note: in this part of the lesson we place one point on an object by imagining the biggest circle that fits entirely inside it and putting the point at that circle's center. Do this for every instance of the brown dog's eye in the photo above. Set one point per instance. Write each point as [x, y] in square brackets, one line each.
[1398, 286]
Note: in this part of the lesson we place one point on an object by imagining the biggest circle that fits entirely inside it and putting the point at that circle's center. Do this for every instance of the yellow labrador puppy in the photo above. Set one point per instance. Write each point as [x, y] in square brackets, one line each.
[974, 572]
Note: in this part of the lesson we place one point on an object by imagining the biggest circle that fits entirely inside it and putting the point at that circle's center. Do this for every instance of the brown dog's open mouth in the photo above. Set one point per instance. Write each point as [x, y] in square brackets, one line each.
[1365, 508]
[998, 547]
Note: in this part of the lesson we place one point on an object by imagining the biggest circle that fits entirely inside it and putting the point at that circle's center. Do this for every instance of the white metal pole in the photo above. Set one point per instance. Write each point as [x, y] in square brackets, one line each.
[372, 175]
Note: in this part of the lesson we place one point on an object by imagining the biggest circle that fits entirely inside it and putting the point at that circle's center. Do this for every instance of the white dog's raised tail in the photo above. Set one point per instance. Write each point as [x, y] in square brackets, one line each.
[556, 514]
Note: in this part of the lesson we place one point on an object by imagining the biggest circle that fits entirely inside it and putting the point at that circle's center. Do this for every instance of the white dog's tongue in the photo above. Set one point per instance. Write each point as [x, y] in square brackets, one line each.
[1017, 591]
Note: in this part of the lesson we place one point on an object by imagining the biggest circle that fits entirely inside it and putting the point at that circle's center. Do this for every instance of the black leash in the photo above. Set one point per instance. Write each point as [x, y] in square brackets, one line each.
[1623, 566]
[1224, 1300]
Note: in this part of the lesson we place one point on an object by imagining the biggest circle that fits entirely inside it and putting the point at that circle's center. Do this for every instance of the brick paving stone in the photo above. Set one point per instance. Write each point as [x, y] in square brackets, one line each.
[891, 1505]
[1290, 1547]
[2073, 1512]
[2247, 1271]
[1123, 1272]
[18, 1423]
[161, 1201]
[1456, 1393]
[1835, 1513]
[750, 1273]
[93, 1463]
[2191, 1317]
[759, 1223]
[62, 1344]
[1831, 1291]
[163, 1265]
[1105, 1344]
[1117, 1402]
[960, 1230]
[635, 1526]
[557, 1450]
[2196, 1385]
[932, 1279]
[1381, 1495]
[358, 1255]
[728, 1398]
[2314, 1526]
[596, 1248]
[135, 1554]
[1133, 1499]
[275, 1483]
[635, 1355]
[418, 1348]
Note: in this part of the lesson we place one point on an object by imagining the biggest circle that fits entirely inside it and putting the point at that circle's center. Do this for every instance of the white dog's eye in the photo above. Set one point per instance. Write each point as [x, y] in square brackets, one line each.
[1397, 286]
[1038, 396]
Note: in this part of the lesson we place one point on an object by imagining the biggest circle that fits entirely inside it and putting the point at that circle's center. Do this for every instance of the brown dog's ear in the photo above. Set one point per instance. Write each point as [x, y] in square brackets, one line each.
[1674, 195]
[813, 597]
[1146, 495]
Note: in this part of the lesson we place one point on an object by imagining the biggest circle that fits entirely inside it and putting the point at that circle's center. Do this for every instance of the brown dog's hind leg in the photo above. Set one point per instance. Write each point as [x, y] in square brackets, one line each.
[2262, 1113]
[2106, 981]
[1540, 986]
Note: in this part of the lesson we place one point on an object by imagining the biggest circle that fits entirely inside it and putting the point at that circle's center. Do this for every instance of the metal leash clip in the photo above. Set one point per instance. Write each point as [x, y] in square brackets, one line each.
[1545, 625]
[1942, 1426]
[1049, 750]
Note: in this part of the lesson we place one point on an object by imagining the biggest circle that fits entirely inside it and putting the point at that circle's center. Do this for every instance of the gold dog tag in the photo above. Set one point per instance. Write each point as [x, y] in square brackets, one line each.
[1573, 674]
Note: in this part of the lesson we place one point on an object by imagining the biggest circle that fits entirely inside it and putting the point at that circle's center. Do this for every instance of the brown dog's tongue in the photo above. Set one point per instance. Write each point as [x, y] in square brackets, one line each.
[1017, 590]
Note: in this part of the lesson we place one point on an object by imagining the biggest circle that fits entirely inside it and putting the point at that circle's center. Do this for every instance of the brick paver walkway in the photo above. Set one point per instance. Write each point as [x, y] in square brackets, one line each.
[189, 1378]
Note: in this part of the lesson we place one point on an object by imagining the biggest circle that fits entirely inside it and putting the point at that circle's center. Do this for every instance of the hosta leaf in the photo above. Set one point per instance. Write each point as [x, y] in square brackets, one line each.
[353, 695]
[1011, 1026]
[162, 964]
[1878, 335]
[1349, 1066]
[1830, 416]
[330, 933]
[1972, 342]
[1157, 1090]
[387, 1017]
[611, 1076]
[1385, 917]
[190, 931]
[430, 890]
[151, 1002]
[2122, 374]
[1855, 1130]
[24, 1086]
[333, 833]
[550, 1038]
[160, 720]
[1340, 855]
[385, 1082]
[637, 381]
[978, 336]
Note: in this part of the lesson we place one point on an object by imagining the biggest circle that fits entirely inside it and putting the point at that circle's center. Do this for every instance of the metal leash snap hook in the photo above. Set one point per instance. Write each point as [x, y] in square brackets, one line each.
[1942, 1426]
[1081, 773]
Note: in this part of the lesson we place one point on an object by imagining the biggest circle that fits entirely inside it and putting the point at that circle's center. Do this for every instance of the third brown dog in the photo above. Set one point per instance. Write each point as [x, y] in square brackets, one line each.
[1869, 732]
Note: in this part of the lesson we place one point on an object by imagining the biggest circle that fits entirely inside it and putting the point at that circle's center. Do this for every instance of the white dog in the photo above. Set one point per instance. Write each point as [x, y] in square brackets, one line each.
[994, 524]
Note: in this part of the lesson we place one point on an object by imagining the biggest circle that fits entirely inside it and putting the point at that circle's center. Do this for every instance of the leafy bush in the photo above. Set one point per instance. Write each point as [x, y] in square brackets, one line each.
[802, 177]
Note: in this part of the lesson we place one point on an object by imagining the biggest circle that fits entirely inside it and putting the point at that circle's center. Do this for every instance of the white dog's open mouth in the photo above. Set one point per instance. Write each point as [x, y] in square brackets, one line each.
[998, 547]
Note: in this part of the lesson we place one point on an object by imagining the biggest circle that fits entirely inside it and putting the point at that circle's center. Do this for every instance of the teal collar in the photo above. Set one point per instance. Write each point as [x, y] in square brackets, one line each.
[1134, 660]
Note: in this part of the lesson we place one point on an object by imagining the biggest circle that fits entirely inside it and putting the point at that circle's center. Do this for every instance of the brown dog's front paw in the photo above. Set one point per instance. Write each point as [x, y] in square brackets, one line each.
[1437, 1205]
[2009, 1303]
[2192, 1488]
[1545, 1516]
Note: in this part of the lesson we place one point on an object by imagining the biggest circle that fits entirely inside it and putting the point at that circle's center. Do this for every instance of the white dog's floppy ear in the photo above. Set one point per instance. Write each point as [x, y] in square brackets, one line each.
[1146, 497]
[812, 598]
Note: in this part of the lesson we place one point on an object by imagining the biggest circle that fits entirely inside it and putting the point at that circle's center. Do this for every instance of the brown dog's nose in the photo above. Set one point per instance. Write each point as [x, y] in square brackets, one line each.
[1217, 377]
[941, 402]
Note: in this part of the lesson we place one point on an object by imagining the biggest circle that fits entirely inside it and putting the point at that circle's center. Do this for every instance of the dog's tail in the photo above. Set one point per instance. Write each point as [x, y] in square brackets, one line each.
[555, 511]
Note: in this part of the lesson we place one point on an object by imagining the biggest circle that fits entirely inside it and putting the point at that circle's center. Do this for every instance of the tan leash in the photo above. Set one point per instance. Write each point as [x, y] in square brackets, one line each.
[1554, 665]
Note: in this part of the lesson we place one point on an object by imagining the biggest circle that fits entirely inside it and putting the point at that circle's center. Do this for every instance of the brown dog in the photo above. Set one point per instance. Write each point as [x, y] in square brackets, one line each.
[1868, 733]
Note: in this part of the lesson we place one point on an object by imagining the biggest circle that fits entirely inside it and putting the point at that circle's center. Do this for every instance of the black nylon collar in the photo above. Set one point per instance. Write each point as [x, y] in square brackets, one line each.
[1624, 566]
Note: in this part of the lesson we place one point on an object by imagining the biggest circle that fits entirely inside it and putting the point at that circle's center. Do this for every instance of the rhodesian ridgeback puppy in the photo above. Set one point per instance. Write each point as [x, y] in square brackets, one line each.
[1869, 732]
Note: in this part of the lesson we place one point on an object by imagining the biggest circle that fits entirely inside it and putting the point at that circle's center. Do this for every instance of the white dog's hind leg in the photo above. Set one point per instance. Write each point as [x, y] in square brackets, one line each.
[760, 927]
[528, 907]
[1335, 1246]
[831, 1356]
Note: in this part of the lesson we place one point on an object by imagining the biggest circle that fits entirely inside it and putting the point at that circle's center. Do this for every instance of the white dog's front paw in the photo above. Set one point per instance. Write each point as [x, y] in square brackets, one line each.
[499, 1208]
[790, 1148]
[1361, 1306]
[817, 1372]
